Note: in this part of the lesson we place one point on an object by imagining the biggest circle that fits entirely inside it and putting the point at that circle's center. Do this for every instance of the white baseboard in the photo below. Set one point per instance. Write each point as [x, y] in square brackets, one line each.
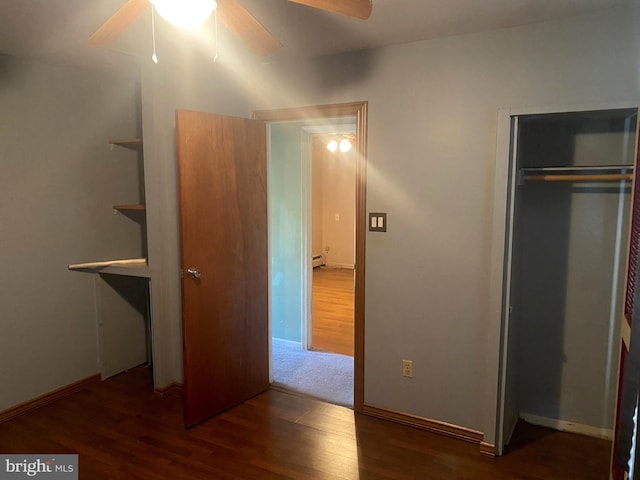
[290, 342]
[564, 426]
[339, 265]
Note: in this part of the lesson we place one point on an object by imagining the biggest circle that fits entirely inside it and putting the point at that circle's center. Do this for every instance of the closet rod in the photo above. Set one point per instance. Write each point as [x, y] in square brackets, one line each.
[581, 168]
[606, 177]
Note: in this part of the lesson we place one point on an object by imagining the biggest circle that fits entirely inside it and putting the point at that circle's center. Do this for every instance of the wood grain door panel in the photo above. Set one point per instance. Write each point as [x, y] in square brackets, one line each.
[223, 233]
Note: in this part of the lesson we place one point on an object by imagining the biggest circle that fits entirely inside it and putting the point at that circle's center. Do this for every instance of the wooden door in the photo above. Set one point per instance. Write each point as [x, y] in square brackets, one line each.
[223, 234]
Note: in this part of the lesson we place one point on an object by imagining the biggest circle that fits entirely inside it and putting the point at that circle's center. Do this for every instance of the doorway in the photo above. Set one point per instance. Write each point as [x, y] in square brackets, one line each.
[312, 222]
[330, 325]
[291, 234]
[563, 279]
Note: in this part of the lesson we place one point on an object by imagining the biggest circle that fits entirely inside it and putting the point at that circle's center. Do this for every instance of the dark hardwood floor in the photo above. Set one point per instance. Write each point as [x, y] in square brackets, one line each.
[121, 430]
[333, 310]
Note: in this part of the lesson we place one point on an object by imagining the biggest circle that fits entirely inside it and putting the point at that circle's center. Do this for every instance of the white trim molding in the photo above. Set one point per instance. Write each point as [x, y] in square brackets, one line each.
[571, 427]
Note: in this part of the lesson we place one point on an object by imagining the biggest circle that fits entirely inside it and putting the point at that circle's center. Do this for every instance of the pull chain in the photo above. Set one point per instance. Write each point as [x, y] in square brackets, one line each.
[154, 57]
[215, 18]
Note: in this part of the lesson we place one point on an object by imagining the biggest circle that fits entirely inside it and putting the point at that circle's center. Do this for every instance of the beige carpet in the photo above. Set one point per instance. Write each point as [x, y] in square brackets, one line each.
[326, 376]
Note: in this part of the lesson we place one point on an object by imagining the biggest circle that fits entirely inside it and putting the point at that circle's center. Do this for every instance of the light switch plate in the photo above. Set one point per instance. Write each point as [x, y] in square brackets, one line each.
[377, 222]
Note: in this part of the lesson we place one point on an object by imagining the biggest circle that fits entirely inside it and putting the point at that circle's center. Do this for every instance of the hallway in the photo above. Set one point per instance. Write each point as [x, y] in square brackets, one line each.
[333, 310]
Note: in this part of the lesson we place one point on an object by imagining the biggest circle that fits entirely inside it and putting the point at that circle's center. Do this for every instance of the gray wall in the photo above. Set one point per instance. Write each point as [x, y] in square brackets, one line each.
[58, 181]
[431, 155]
[184, 79]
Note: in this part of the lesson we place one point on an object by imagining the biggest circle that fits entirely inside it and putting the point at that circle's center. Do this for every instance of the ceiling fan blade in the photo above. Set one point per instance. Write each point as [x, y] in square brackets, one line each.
[353, 8]
[118, 22]
[244, 25]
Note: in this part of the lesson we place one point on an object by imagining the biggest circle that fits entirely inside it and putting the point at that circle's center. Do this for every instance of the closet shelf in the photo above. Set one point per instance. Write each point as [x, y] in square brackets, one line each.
[131, 267]
[132, 143]
[595, 173]
[129, 207]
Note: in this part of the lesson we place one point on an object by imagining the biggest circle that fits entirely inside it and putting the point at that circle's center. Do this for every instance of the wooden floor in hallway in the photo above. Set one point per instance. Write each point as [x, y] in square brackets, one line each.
[333, 310]
[122, 430]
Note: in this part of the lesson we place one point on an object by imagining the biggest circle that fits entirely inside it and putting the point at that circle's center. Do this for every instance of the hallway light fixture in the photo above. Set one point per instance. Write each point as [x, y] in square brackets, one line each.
[188, 14]
[345, 145]
[344, 142]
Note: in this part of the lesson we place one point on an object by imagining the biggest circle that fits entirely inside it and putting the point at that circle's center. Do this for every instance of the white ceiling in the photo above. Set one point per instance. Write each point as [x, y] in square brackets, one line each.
[59, 28]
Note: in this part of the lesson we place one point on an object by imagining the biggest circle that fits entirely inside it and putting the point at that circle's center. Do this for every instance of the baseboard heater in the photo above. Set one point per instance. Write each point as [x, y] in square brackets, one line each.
[318, 261]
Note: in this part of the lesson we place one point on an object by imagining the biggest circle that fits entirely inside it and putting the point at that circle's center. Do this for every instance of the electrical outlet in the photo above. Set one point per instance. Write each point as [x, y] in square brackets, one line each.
[407, 368]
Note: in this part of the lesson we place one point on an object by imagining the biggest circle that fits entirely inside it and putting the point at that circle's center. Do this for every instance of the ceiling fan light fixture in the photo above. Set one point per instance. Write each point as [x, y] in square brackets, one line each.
[188, 14]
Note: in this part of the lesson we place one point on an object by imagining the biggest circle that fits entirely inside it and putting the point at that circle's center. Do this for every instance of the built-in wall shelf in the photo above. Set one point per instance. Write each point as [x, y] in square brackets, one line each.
[129, 207]
[132, 267]
[132, 143]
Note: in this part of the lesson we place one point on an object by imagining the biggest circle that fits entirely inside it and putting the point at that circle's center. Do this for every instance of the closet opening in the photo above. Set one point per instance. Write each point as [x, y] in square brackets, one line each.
[564, 277]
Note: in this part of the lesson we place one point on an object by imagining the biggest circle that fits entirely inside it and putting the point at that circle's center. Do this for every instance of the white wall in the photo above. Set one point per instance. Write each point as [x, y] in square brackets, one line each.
[58, 181]
[334, 207]
[431, 155]
[339, 208]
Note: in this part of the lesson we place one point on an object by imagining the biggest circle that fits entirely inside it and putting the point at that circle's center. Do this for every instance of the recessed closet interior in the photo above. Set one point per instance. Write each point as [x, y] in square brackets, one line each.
[565, 276]
[122, 285]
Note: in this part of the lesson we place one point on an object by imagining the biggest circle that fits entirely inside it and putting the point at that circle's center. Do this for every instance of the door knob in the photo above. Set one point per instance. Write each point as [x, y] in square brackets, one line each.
[193, 272]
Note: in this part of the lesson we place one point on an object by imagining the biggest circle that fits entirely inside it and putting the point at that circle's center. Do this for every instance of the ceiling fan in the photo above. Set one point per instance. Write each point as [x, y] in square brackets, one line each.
[232, 15]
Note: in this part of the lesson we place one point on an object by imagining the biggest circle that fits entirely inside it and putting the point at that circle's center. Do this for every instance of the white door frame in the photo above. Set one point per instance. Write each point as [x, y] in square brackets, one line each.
[307, 238]
[501, 262]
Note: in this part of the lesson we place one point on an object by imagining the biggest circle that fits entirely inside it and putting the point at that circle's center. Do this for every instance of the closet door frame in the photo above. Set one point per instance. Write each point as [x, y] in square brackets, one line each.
[499, 273]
